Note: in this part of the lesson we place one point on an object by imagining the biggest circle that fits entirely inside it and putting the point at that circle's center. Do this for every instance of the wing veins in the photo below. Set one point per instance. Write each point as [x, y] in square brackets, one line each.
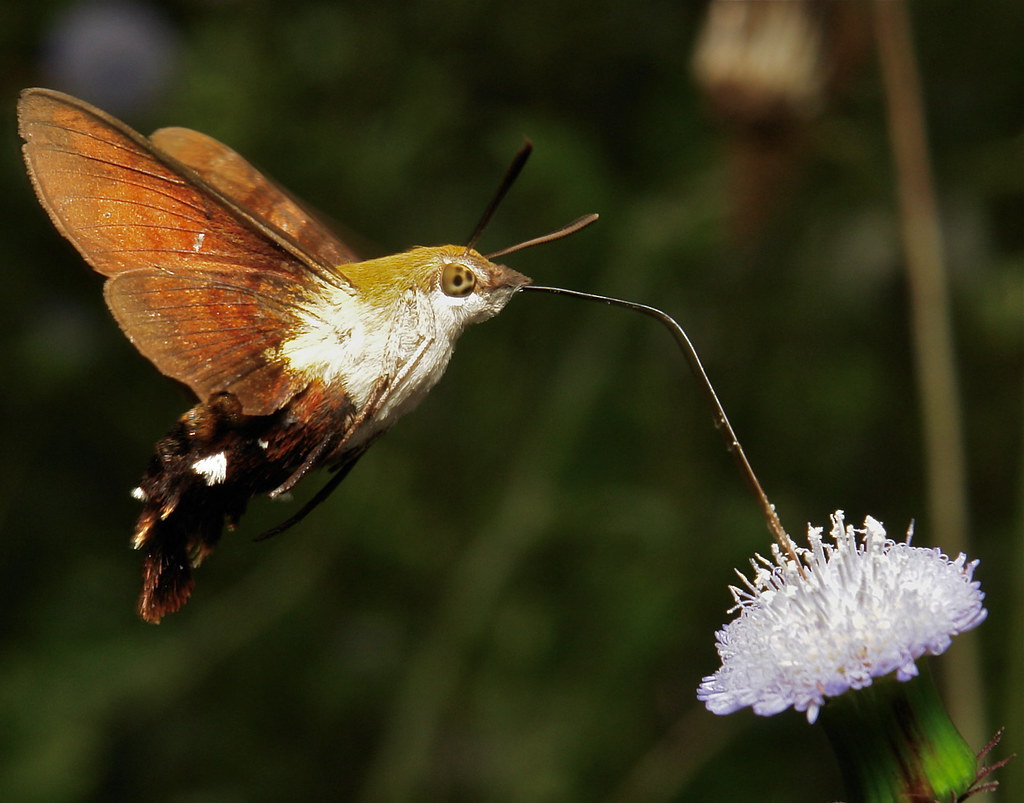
[155, 208]
[170, 179]
[154, 190]
[120, 129]
[89, 227]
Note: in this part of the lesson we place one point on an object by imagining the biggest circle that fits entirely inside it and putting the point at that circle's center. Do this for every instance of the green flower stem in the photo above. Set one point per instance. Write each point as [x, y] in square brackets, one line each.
[895, 743]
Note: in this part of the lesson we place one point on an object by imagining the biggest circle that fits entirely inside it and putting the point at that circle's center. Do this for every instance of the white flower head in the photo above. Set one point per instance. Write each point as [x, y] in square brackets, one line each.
[848, 612]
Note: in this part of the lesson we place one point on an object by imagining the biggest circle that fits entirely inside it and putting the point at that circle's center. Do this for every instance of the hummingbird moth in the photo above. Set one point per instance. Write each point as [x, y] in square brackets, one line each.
[300, 354]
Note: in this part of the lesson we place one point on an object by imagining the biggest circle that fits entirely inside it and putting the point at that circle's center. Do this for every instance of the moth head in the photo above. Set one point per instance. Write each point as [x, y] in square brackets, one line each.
[472, 286]
[460, 285]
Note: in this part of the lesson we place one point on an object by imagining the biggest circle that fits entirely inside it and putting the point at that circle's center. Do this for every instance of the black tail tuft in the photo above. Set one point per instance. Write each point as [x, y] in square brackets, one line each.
[202, 476]
[208, 467]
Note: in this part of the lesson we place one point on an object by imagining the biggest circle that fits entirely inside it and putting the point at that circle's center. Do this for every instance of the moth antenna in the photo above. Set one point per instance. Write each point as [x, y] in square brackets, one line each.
[722, 424]
[558, 234]
[514, 169]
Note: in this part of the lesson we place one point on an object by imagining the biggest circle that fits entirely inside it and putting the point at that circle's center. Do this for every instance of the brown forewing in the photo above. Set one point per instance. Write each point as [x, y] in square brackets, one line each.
[237, 179]
[218, 328]
[200, 285]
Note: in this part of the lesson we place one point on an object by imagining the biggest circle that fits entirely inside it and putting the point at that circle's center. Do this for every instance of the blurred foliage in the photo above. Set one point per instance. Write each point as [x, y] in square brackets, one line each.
[514, 595]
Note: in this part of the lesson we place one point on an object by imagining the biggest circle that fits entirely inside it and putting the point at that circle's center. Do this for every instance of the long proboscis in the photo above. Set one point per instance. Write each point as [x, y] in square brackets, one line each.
[718, 412]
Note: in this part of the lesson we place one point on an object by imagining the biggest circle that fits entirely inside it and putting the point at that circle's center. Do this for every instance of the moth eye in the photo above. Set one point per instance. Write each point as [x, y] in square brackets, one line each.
[457, 280]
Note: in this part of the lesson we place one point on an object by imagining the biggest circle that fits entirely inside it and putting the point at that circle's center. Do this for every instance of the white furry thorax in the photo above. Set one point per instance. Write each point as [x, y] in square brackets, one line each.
[403, 337]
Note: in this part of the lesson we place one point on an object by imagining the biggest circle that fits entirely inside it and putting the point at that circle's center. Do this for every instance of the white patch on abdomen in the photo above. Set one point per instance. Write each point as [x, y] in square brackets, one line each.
[213, 469]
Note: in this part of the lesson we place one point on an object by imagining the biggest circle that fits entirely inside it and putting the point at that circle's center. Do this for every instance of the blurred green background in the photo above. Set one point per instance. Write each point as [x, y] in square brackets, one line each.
[514, 596]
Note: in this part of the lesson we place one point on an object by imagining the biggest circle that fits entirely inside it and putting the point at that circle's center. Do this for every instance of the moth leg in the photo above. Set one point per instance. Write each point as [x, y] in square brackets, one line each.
[317, 499]
[329, 446]
[312, 459]
[347, 461]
